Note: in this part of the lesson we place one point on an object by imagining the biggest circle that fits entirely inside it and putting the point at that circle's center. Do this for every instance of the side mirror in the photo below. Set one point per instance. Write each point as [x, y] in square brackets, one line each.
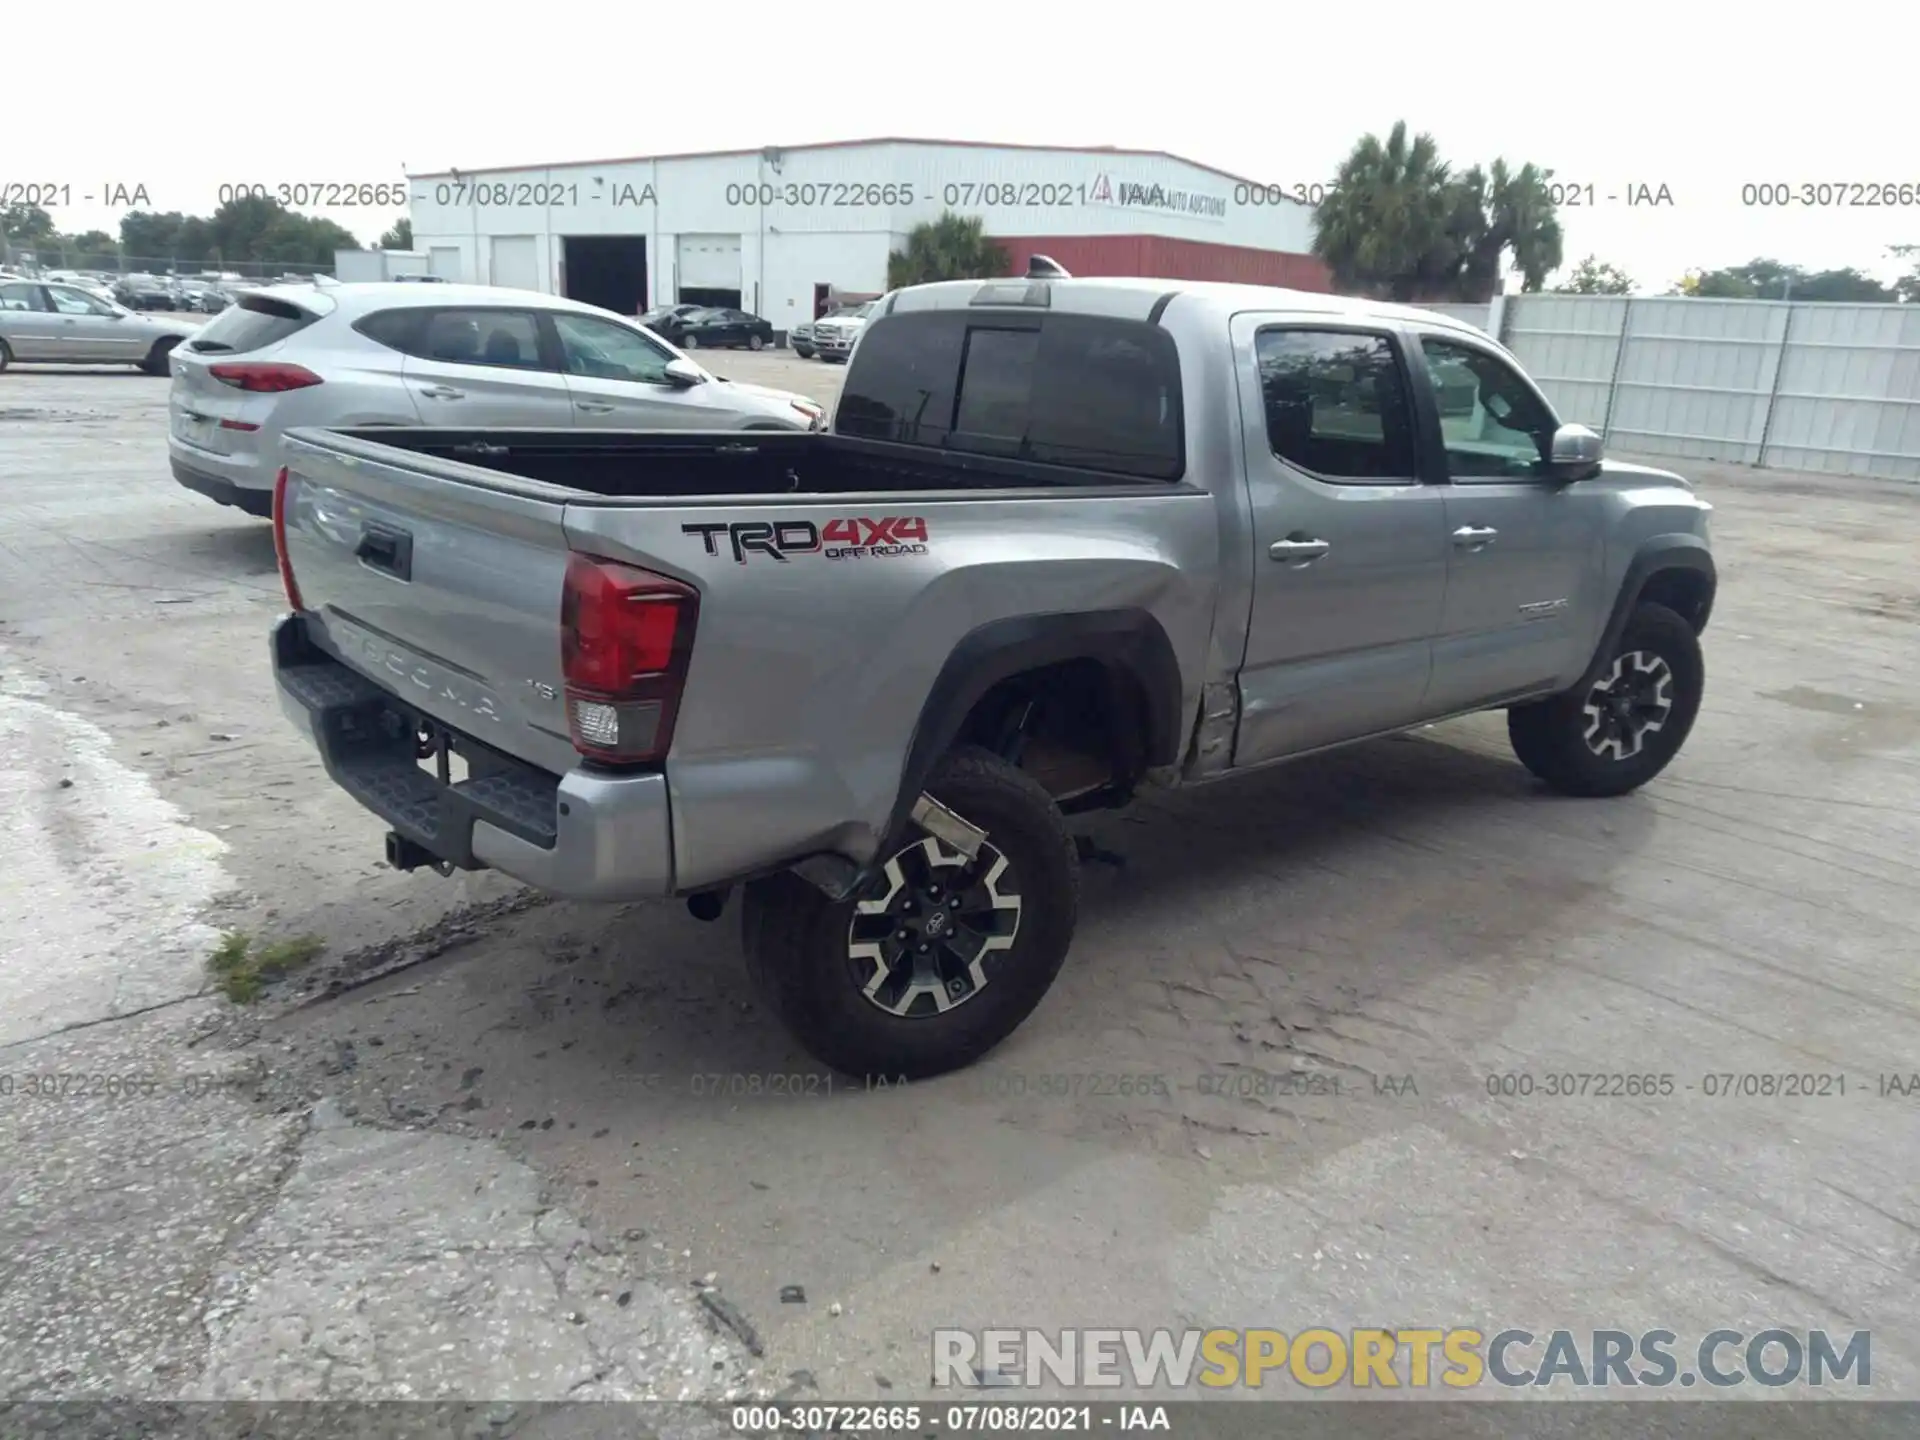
[1575, 453]
[685, 374]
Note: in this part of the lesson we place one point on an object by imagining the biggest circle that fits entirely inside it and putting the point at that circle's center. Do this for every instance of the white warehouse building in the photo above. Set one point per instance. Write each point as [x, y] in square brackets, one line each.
[781, 231]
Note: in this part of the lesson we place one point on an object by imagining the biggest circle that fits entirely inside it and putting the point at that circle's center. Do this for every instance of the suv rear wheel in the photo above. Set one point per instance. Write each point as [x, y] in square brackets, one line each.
[1622, 730]
[941, 957]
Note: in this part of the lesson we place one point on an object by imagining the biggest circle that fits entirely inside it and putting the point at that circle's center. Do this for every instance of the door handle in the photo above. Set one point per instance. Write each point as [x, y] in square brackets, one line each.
[1298, 552]
[1474, 537]
[593, 409]
[442, 392]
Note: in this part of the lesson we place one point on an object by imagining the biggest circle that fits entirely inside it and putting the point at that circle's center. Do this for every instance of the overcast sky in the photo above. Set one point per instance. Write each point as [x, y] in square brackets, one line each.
[1701, 99]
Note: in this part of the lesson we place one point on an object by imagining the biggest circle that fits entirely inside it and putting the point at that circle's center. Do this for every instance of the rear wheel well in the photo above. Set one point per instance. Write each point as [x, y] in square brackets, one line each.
[1685, 591]
[1078, 727]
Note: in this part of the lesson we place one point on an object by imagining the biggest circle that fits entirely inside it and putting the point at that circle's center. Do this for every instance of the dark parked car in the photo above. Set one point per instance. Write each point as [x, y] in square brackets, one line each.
[665, 320]
[144, 292]
[728, 329]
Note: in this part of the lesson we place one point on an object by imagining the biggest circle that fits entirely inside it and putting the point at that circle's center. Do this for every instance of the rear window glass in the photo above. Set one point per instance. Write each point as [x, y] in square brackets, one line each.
[1080, 390]
[252, 322]
[396, 329]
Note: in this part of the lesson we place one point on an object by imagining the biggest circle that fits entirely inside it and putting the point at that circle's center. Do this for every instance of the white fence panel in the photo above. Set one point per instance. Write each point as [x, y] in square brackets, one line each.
[1696, 376]
[1848, 401]
[1830, 388]
[1479, 316]
[1570, 344]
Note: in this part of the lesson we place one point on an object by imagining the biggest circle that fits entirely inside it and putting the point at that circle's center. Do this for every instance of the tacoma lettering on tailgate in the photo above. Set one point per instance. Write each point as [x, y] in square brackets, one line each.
[848, 539]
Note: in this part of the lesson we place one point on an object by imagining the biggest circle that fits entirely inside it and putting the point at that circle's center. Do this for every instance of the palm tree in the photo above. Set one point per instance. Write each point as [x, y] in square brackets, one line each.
[954, 247]
[1382, 230]
[1519, 214]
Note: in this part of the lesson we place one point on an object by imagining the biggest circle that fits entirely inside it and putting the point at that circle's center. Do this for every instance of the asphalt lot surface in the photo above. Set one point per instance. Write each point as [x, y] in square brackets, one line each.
[448, 1178]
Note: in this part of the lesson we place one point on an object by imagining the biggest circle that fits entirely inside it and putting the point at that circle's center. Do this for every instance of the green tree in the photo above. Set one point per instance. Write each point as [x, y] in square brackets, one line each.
[1764, 279]
[1593, 276]
[954, 247]
[1390, 226]
[1520, 217]
[1907, 287]
[25, 228]
[400, 237]
[148, 236]
[1400, 225]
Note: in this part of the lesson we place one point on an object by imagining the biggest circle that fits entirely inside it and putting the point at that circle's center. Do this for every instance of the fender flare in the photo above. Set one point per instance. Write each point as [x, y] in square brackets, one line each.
[1128, 643]
[1660, 553]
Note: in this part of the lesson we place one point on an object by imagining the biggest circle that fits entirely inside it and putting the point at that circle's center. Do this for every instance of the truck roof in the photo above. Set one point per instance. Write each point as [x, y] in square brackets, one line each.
[1133, 297]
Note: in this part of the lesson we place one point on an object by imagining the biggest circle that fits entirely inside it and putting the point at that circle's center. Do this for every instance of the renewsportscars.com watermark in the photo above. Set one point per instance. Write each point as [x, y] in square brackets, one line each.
[1400, 1358]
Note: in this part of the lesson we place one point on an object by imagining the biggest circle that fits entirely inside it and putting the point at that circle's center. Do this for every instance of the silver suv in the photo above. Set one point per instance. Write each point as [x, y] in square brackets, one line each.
[437, 355]
[43, 324]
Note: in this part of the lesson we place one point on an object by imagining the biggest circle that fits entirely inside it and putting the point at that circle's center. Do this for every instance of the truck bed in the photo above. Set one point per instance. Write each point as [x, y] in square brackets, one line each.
[665, 464]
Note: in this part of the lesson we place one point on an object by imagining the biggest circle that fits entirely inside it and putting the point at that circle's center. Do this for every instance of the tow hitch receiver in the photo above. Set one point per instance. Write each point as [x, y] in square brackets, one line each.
[405, 854]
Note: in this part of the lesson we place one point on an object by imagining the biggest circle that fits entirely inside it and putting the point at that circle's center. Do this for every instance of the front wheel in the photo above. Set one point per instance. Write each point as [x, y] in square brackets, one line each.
[940, 958]
[1622, 730]
[6, 356]
[754, 342]
[692, 342]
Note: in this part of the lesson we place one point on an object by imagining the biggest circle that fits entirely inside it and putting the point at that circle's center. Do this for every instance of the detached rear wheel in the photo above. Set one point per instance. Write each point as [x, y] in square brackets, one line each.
[941, 957]
[1622, 730]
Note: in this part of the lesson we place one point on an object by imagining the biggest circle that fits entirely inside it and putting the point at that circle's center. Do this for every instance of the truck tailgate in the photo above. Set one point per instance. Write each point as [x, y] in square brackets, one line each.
[447, 593]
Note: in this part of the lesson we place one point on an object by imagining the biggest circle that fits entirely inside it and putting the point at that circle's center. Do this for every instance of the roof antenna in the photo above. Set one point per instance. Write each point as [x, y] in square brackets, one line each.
[1045, 267]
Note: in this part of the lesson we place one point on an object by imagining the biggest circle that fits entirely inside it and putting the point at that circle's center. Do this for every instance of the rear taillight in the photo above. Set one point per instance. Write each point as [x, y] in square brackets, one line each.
[280, 539]
[626, 635]
[263, 376]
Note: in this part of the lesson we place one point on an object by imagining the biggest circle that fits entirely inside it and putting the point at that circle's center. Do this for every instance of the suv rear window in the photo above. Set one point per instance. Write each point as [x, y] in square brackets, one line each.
[1085, 391]
[252, 322]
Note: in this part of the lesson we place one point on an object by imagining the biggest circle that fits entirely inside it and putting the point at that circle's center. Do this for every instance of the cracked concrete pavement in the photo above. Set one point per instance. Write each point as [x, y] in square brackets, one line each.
[442, 1182]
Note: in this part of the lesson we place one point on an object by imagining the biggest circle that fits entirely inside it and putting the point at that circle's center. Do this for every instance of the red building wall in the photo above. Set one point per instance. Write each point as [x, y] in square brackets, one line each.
[1163, 257]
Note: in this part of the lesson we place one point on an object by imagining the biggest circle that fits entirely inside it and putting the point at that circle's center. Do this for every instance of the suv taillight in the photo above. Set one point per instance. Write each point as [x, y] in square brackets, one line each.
[280, 539]
[263, 376]
[626, 635]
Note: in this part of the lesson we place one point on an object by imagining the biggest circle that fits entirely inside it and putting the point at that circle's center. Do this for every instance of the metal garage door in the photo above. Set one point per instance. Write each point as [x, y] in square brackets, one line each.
[709, 262]
[516, 262]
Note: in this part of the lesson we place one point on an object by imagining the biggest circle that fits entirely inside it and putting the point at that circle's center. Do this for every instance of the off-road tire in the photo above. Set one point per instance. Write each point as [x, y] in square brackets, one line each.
[1550, 736]
[797, 940]
[156, 361]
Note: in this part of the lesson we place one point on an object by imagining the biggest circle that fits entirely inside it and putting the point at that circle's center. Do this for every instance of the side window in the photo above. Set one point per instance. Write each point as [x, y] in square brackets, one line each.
[508, 338]
[609, 352]
[1084, 391]
[1336, 403]
[22, 297]
[1492, 424]
[74, 302]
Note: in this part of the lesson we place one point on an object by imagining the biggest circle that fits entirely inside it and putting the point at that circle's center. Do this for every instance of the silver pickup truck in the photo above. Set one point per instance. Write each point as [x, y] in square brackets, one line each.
[1067, 538]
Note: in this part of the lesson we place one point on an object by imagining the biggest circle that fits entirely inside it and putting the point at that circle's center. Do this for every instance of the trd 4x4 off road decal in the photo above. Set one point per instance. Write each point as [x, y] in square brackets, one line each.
[849, 539]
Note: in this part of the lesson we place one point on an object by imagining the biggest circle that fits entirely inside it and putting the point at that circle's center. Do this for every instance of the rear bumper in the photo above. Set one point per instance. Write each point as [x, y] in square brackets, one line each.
[582, 835]
[254, 502]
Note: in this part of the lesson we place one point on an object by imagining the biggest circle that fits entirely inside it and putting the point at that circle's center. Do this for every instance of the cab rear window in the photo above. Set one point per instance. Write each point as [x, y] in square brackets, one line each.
[252, 322]
[1083, 391]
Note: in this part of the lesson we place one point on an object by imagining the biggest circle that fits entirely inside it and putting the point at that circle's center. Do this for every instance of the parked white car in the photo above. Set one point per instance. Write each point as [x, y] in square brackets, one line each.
[375, 353]
[45, 324]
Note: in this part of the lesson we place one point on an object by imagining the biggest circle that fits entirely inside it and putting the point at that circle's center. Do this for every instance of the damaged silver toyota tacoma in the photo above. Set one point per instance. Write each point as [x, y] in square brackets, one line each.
[1065, 539]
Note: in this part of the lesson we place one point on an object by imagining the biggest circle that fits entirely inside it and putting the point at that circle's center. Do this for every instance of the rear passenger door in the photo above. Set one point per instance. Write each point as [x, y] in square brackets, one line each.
[478, 365]
[28, 323]
[1350, 546]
